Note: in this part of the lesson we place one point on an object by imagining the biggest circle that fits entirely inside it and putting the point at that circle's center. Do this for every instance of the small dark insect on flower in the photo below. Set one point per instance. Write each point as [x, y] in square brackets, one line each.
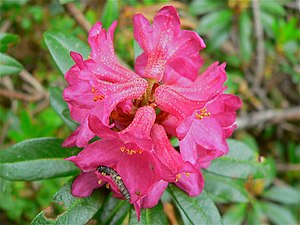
[107, 171]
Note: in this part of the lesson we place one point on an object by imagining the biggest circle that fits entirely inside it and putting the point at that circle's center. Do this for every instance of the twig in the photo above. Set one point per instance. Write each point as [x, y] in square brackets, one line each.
[26, 76]
[5, 26]
[20, 96]
[274, 116]
[7, 83]
[287, 167]
[79, 17]
[259, 70]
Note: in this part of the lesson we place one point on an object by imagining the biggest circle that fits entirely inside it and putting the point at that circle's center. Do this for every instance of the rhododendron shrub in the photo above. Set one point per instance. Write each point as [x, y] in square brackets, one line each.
[134, 114]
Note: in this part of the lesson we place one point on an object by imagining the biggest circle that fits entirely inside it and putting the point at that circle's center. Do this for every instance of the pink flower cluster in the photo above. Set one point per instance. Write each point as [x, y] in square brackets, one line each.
[136, 113]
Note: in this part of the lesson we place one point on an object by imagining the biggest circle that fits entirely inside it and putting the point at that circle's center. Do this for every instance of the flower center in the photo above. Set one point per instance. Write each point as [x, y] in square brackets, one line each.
[97, 96]
[202, 113]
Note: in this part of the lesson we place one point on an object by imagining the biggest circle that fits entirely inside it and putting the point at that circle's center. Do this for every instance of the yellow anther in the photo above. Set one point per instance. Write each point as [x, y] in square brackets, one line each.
[203, 113]
[107, 185]
[177, 177]
[118, 177]
[131, 151]
[187, 174]
[98, 97]
[100, 181]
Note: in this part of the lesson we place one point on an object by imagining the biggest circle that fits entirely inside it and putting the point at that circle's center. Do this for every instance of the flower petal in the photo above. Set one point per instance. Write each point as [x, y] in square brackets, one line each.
[139, 173]
[163, 42]
[165, 152]
[204, 141]
[207, 85]
[168, 100]
[107, 65]
[84, 184]
[115, 94]
[139, 130]
[80, 137]
[192, 184]
[153, 197]
[103, 152]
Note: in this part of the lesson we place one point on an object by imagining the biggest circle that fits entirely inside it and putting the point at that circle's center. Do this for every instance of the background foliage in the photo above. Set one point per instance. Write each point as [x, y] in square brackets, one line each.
[258, 182]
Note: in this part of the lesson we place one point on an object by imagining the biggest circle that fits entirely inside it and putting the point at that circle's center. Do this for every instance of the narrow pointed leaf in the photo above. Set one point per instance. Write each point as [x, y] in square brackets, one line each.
[195, 209]
[9, 65]
[241, 162]
[66, 209]
[113, 211]
[224, 189]
[6, 40]
[235, 215]
[36, 159]
[284, 195]
[60, 45]
[278, 214]
[151, 216]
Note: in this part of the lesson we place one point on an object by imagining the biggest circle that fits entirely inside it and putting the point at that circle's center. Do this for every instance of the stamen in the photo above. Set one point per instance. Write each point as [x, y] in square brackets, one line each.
[178, 176]
[203, 113]
[100, 181]
[187, 174]
[107, 185]
[96, 97]
[131, 151]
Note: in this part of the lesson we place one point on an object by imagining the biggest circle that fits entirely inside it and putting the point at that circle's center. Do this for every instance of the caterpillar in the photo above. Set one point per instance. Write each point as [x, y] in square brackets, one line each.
[107, 171]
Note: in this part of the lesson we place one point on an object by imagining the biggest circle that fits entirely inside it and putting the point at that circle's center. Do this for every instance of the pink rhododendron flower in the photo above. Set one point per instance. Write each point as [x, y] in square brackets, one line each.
[136, 113]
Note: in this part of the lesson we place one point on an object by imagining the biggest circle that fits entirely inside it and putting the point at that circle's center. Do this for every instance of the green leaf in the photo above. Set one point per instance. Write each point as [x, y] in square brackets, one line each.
[241, 162]
[110, 12]
[151, 216]
[60, 107]
[224, 189]
[66, 1]
[284, 195]
[36, 159]
[212, 23]
[60, 45]
[275, 8]
[278, 214]
[113, 211]
[245, 32]
[205, 6]
[195, 209]
[6, 40]
[235, 215]
[255, 214]
[66, 209]
[9, 65]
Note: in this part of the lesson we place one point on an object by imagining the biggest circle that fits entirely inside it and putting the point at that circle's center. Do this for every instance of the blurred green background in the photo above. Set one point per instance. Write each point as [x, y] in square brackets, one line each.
[259, 40]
